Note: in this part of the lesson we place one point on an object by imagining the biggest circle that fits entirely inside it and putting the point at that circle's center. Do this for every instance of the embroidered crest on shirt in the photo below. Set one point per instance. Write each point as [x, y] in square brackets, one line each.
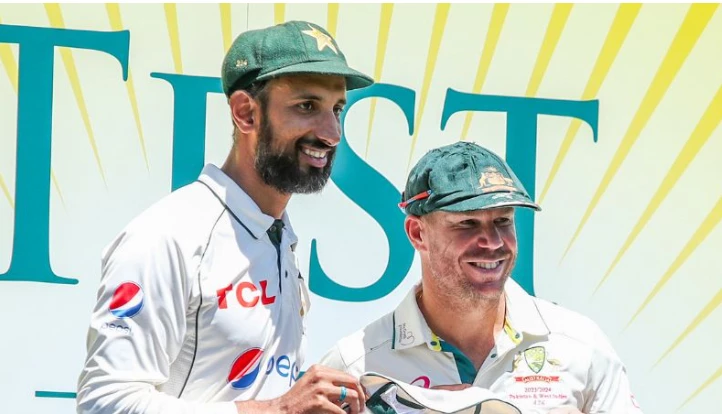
[536, 379]
[535, 358]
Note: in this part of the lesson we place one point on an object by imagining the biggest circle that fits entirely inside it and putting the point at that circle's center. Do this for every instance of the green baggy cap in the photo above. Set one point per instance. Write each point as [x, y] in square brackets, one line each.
[294, 47]
[462, 177]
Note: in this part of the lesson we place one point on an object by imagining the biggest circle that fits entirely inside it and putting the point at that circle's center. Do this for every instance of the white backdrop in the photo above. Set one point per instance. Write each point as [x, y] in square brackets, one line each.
[628, 234]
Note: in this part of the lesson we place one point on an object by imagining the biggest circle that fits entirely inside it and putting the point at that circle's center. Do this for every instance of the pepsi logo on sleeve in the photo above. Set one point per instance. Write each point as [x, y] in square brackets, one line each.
[127, 300]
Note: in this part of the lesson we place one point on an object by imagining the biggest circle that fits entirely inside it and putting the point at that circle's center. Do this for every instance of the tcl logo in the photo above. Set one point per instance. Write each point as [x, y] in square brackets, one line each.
[247, 295]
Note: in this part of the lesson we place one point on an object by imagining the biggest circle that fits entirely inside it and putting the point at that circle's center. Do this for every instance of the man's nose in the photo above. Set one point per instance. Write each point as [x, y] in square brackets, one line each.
[328, 129]
[489, 237]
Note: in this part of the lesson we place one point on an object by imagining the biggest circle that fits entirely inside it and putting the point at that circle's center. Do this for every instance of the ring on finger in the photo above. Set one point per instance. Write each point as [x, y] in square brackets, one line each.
[344, 392]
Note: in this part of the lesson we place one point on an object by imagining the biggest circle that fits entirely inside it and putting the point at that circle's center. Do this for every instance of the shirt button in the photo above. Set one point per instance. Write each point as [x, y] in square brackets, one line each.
[493, 355]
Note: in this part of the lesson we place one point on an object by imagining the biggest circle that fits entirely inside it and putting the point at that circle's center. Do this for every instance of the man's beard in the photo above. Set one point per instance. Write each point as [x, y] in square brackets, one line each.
[282, 170]
[453, 283]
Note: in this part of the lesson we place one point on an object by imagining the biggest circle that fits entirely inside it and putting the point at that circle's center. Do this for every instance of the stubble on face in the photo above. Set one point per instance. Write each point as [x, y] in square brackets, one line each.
[448, 277]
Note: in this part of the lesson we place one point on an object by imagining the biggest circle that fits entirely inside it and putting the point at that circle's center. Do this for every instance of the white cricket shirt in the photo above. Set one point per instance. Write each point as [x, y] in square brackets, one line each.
[545, 357]
[196, 308]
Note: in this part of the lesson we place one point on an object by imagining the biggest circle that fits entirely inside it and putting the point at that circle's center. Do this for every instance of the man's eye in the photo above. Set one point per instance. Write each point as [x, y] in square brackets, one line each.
[306, 106]
[338, 110]
[503, 221]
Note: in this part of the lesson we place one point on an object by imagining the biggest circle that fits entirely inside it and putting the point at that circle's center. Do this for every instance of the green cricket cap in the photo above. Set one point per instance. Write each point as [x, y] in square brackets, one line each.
[294, 47]
[462, 177]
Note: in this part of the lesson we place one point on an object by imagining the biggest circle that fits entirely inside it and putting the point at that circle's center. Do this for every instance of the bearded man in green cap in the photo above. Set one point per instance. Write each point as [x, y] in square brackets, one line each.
[201, 304]
[467, 321]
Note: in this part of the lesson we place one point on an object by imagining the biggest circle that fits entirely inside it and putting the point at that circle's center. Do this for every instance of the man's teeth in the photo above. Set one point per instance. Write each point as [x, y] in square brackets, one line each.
[314, 154]
[492, 265]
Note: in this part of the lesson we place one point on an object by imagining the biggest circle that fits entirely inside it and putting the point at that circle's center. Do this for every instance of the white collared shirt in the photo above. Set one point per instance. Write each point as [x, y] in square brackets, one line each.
[545, 357]
[196, 308]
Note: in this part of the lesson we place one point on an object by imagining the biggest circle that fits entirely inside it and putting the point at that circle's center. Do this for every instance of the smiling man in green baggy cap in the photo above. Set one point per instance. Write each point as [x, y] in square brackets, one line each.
[467, 321]
[201, 305]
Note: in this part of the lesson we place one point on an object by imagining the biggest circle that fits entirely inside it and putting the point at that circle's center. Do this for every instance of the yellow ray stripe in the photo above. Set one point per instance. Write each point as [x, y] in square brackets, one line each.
[626, 14]
[6, 192]
[279, 13]
[387, 10]
[498, 16]
[714, 377]
[690, 30]
[706, 125]
[442, 12]
[8, 61]
[116, 23]
[56, 20]
[697, 238]
[551, 38]
[57, 187]
[701, 316]
[171, 18]
[332, 18]
[226, 25]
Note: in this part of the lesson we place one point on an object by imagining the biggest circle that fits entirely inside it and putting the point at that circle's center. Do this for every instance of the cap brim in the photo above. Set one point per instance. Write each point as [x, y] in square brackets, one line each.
[492, 200]
[354, 78]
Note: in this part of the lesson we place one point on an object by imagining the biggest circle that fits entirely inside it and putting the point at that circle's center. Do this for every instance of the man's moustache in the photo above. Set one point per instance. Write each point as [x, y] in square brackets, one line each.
[315, 143]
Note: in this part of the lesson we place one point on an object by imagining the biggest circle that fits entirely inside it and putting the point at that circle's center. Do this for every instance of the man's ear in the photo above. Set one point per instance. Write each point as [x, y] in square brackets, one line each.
[244, 111]
[414, 227]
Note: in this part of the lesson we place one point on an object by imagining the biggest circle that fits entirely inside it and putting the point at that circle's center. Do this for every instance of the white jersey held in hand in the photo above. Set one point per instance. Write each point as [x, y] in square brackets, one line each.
[391, 396]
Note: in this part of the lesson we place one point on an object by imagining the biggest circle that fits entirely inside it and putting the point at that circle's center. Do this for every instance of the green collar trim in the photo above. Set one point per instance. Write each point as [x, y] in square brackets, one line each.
[467, 372]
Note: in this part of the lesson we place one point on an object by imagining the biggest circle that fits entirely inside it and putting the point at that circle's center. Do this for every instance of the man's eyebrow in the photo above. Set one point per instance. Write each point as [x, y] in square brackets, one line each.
[313, 97]
[307, 95]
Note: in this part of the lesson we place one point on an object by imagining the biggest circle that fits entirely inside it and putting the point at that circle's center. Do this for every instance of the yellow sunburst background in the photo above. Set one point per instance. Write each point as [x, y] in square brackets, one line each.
[629, 233]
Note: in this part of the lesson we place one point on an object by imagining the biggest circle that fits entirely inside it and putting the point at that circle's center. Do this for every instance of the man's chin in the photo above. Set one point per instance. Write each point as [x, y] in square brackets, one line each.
[312, 185]
[488, 290]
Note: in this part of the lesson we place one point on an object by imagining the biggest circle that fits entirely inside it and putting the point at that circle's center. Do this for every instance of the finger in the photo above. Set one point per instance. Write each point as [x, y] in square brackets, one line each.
[332, 375]
[361, 396]
[349, 397]
[339, 378]
[451, 387]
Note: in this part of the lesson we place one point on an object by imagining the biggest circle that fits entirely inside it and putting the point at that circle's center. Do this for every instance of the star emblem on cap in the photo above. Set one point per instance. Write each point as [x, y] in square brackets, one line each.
[322, 39]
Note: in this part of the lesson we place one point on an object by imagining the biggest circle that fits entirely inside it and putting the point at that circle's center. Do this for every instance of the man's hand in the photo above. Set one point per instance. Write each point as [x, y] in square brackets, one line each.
[318, 391]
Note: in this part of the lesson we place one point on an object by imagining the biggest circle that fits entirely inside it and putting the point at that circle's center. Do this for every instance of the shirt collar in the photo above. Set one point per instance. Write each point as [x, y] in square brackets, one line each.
[410, 327]
[522, 316]
[522, 313]
[241, 205]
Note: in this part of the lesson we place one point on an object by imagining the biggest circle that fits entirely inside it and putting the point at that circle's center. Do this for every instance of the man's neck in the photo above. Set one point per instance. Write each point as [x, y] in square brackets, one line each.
[471, 329]
[242, 171]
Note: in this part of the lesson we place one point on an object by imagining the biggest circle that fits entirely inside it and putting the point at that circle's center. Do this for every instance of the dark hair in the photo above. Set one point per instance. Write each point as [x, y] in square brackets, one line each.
[257, 90]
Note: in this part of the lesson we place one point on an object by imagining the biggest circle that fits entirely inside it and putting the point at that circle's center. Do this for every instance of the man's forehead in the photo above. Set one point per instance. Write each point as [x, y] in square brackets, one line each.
[303, 82]
[455, 215]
